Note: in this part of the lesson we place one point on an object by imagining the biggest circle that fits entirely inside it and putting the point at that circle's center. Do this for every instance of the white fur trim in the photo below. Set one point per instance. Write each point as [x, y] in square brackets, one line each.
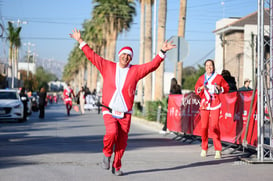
[126, 51]
[82, 44]
[162, 55]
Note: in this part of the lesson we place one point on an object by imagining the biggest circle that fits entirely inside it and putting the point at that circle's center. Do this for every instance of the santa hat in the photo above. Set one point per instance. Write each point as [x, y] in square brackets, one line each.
[127, 50]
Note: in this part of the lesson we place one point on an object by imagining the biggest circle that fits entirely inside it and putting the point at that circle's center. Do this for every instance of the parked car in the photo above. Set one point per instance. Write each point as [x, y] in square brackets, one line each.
[11, 106]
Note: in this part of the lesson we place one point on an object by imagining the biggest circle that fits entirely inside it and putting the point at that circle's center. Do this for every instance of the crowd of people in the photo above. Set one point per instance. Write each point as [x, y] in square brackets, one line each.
[86, 99]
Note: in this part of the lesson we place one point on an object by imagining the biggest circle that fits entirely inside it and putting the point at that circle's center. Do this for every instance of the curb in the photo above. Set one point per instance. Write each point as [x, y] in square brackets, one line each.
[151, 125]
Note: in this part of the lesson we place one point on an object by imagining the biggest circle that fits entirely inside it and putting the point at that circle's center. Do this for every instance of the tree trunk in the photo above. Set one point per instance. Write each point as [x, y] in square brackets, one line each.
[112, 50]
[10, 66]
[94, 77]
[182, 18]
[16, 66]
[89, 74]
[111, 40]
[82, 82]
[159, 78]
[148, 51]
[141, 51]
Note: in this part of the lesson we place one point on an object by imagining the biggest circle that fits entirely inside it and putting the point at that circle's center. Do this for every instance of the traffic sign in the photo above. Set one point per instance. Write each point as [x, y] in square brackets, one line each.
[180, 52]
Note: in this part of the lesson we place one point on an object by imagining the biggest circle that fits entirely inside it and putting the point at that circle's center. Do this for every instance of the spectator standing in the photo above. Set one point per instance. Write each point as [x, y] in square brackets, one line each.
[175, 88]
[24, 99]
[245, 87]
[42, 102]
[81, 96]
[230, 80]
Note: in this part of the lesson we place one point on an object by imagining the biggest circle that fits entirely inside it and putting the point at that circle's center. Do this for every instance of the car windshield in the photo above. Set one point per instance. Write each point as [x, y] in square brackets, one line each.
[8, 95]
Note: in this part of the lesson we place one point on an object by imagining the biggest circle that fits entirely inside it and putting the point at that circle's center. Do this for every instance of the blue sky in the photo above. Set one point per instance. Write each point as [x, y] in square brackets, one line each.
[50, 22]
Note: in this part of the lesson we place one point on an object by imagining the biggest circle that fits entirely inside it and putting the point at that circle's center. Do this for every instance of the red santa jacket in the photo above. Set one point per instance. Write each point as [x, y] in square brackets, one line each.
[68, 93]
[210, 96]
[119, 84]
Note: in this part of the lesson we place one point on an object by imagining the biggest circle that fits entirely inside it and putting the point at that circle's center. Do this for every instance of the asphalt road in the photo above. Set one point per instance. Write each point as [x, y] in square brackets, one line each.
[61, 148]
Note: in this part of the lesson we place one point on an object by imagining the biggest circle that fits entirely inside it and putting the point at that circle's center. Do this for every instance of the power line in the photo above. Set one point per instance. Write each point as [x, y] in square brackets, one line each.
[203, 58]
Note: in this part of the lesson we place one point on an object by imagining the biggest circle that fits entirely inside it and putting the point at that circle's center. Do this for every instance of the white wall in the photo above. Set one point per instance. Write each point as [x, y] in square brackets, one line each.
[167, 82]
[218, 43]
[27, 66]
[248, 67]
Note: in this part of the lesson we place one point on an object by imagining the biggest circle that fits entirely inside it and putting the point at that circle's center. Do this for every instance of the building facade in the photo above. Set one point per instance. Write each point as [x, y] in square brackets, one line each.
[235, 46]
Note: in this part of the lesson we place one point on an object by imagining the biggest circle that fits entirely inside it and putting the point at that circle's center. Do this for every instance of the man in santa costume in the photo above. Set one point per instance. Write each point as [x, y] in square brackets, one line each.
[119, 85]
[208, 87]
[68, 93]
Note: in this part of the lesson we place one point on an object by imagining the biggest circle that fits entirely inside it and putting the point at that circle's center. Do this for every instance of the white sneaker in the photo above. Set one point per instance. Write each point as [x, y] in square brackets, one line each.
[218, 155]
[203, 153]
[163, 132]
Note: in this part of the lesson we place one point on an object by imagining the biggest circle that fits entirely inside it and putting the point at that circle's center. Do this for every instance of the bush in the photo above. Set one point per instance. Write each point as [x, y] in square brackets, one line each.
[151, 108]
[137, 109]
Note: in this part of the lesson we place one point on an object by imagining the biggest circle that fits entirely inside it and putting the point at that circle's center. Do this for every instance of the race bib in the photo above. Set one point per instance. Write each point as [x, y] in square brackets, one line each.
[117, 114]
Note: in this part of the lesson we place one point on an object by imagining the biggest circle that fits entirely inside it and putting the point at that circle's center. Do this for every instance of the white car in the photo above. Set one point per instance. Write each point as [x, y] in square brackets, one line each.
[11, 106]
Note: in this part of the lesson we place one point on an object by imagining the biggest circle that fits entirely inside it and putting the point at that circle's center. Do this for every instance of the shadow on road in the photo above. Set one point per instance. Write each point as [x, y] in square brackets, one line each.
[191, 165]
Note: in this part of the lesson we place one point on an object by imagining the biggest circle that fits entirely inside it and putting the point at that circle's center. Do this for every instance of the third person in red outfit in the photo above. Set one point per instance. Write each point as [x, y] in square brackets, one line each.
[208, 87]
[68, 95]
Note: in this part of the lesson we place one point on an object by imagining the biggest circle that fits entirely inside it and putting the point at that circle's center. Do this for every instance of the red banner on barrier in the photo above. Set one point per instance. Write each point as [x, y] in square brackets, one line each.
[226, 122]
[183, 116]
[174, 113]
[242, 113]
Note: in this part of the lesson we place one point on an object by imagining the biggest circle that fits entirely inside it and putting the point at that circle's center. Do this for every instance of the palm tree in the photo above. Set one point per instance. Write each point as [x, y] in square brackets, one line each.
[15, 43]
[159, 78]
[17, 46]
[117, 16]
[110, 17]
[93, 35]
[72, 67]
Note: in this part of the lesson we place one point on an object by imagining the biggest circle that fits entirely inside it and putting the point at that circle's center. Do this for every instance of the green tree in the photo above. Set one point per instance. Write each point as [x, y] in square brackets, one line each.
[93, 35]
[117, 16]
[191, 75]
[14, 44]
[109, 18]
[43, 77]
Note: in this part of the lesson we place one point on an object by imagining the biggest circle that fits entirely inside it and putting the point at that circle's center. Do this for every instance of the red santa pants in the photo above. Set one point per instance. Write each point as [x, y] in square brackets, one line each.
[210, 120]
[116, 135]
[68, 105]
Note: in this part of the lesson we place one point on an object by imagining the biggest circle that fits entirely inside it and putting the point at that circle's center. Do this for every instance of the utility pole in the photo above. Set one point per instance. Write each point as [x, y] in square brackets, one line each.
[29, 44]
[181, 33]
